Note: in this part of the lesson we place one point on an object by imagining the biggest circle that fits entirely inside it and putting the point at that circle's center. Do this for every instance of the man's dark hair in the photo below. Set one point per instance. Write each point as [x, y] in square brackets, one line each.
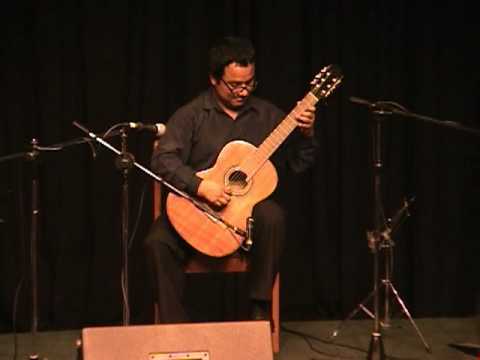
[230, 50]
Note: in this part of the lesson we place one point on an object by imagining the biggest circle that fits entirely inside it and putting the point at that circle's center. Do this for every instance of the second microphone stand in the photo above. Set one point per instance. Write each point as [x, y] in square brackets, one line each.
[376, 349]
[32, 156]
[380, 240]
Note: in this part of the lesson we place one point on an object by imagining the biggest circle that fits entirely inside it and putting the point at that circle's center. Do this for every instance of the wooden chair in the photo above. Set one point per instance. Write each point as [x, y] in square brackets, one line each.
[229, 264]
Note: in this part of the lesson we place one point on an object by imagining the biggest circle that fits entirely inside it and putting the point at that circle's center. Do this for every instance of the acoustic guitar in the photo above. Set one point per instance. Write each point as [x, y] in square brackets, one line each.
[248, 172]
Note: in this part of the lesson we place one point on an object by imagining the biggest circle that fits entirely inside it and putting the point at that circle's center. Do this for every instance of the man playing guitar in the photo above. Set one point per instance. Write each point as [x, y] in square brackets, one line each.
[225, 125]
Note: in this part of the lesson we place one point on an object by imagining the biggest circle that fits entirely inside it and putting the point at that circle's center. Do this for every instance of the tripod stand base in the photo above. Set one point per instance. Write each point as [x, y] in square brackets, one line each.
[376, 350]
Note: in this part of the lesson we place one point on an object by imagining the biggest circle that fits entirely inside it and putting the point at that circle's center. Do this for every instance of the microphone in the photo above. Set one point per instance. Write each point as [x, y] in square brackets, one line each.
[158, 129]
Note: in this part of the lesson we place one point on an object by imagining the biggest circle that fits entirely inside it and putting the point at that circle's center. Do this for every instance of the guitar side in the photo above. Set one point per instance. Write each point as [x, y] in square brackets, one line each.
[202, 232]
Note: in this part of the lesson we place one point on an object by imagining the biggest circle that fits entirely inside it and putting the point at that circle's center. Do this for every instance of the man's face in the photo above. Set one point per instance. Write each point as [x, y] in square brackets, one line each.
[235, 86]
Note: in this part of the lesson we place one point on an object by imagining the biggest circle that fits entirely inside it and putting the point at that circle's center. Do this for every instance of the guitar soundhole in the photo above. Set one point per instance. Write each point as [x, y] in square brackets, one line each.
[237, 180]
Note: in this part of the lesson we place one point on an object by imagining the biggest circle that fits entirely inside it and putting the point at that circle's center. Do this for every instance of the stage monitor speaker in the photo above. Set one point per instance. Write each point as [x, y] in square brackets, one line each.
[242, 340]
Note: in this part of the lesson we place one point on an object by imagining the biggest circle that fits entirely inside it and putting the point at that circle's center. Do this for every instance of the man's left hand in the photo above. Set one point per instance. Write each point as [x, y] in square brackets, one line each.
[306, 120]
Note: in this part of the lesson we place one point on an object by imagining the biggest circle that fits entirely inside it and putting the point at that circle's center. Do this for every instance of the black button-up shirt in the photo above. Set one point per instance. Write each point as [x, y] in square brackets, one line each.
[197, 132]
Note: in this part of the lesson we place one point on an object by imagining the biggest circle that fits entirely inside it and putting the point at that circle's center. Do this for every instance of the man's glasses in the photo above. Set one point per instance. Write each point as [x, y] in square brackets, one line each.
[236, 88]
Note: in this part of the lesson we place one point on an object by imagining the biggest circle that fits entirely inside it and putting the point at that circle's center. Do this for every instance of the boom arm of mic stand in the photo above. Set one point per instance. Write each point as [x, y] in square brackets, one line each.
[212, 215]
[399, 110]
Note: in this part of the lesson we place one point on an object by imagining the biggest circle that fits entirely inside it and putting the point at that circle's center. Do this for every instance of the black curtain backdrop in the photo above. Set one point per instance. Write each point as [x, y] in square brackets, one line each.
[106, 62]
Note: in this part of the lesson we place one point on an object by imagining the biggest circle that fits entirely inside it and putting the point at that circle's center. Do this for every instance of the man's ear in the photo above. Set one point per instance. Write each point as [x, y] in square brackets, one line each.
[213, 81]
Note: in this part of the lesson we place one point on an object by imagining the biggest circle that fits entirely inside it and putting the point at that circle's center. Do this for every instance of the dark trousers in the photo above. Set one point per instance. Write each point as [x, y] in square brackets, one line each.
[166, 254]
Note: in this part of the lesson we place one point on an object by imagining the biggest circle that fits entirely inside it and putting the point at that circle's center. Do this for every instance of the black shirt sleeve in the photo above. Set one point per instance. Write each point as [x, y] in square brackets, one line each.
[170, 157]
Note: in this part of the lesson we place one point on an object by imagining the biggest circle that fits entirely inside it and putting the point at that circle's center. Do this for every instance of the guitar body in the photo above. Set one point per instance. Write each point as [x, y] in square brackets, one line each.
[202, 232]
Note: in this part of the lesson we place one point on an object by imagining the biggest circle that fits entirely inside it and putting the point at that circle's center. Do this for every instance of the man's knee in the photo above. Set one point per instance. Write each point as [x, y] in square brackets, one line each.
[269, 213]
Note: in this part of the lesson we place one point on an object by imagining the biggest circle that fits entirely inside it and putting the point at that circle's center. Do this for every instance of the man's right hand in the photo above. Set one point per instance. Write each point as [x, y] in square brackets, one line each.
[216, 194]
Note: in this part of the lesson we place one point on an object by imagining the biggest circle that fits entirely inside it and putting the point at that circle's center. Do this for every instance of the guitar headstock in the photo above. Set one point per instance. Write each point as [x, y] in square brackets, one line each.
[326, 81]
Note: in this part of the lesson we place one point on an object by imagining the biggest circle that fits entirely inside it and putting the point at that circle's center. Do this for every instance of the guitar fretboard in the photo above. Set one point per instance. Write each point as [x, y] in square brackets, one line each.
[251, 165]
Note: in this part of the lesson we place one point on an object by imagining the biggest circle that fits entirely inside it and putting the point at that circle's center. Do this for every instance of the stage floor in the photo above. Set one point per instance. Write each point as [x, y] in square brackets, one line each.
[307, 340]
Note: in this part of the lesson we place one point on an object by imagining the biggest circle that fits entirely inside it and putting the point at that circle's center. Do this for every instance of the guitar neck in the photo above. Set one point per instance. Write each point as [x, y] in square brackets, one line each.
[277, 137]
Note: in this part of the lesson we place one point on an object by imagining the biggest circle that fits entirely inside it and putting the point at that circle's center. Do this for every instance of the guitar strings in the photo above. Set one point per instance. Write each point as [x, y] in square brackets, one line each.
[250, 165]
[329, 73]
[321, 88]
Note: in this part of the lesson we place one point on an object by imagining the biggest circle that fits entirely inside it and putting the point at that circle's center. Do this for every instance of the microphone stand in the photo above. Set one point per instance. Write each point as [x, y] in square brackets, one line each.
[394, 108]
[35, 213]
[381, 240]
[375, 238]
[124, 163]
[376, 350]
[33, 157]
